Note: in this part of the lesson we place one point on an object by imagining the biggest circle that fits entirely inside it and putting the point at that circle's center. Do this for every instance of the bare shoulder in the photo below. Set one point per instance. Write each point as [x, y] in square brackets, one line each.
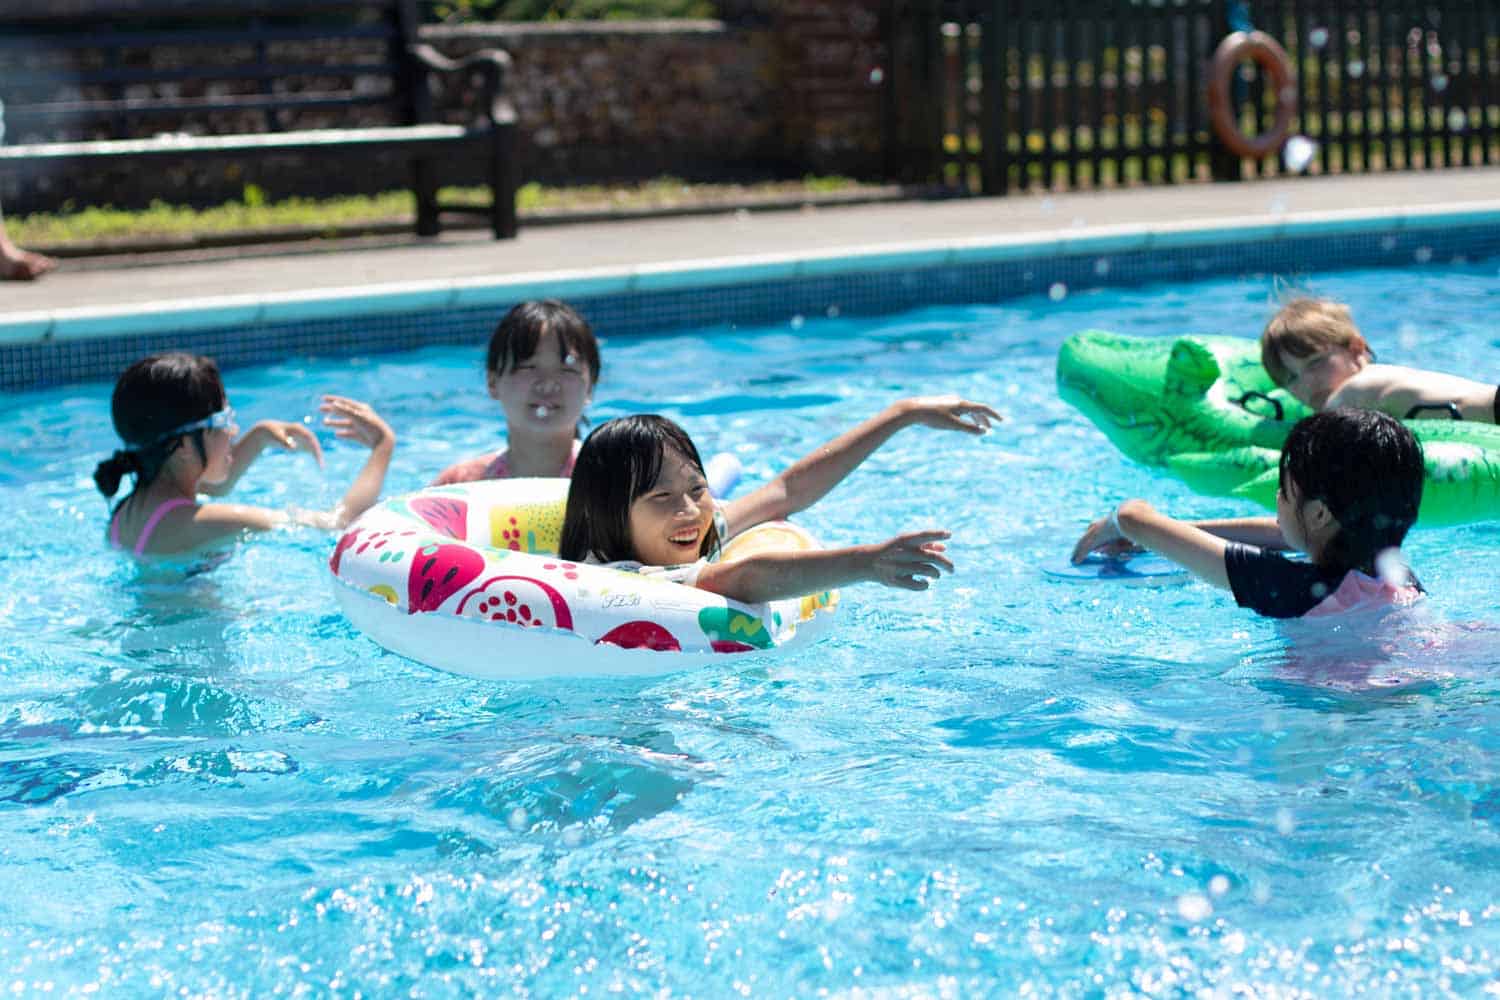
[1376, 377]
[1375, 384]
[467, 470]
[190, 527]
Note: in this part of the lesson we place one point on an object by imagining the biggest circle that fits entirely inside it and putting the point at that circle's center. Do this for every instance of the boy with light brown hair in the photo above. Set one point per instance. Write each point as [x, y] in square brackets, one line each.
[1313, 350]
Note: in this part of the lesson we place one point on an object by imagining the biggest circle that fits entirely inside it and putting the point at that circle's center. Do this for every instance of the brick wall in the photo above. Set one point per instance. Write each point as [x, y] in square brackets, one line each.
[607, 101]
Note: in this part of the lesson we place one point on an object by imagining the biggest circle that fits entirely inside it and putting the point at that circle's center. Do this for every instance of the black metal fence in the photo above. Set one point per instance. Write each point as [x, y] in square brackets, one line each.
[994, 95]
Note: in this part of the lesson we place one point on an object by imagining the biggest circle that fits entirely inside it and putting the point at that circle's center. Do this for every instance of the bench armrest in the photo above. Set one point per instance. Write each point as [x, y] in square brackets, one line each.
[490, 65]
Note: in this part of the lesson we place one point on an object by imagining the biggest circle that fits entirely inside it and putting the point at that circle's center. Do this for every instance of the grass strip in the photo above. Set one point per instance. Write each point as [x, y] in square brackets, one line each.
[255, 212]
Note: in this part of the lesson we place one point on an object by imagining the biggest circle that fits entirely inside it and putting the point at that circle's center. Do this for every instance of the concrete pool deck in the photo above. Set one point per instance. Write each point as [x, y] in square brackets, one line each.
[137, 281]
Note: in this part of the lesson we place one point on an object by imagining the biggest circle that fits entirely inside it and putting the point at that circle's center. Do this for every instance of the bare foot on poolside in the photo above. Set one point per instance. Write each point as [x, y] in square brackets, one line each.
[22, 265]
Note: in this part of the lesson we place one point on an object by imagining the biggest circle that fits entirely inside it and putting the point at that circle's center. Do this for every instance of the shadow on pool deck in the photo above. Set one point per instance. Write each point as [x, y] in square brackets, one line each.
[110, 281]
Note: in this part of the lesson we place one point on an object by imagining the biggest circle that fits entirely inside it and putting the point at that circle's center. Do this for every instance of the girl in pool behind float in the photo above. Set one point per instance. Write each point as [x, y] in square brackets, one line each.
[541, 367]
[174, 417]
[1351, 483]
[639, 501]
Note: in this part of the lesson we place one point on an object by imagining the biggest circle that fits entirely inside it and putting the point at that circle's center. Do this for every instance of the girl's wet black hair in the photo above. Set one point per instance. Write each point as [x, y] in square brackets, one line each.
[515, 339]
[620, 461]
[154, 396]
[1367, 468]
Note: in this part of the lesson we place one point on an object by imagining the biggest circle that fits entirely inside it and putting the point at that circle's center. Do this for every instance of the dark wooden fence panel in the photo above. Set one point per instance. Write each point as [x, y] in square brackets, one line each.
[995, 95]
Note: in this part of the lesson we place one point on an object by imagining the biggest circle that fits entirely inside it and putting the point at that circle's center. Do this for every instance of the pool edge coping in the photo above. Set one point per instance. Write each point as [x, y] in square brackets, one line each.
[491, 291]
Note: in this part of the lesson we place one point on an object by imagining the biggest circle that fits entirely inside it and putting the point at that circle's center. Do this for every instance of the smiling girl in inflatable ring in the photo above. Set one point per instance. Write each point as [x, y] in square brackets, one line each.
[639, 501]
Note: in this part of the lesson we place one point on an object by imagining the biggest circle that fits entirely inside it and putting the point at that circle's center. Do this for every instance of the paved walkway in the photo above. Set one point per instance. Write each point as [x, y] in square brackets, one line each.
[103, 282]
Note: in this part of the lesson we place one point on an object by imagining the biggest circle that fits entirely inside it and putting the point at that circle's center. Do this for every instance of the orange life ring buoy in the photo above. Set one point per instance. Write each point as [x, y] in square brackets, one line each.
[1268, 54]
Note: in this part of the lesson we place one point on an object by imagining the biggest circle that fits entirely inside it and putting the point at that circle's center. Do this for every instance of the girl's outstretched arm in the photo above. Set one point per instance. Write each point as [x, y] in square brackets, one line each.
[907, 562]
[1190, 546]
[1262, 532]
[812, 476]
[356, 421]
[284, 434]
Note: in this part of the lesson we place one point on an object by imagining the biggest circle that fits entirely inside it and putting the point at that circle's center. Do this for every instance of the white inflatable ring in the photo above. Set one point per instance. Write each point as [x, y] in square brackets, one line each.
[465, 578]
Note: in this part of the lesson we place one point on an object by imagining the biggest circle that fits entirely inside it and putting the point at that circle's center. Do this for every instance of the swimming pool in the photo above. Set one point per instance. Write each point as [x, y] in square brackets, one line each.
[215, 786]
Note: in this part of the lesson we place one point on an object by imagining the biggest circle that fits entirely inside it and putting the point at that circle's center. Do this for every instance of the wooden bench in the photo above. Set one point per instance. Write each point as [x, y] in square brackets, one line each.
[143, 82]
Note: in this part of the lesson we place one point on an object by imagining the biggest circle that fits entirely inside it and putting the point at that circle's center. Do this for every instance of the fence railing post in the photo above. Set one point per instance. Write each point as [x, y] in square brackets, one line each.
[1222, 164]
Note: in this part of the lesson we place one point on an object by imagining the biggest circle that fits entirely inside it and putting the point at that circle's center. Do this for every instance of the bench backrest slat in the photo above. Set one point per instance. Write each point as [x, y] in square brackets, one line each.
[250, 102]
[199, 65]
[44, 84]
[101, 12]
[149, 39]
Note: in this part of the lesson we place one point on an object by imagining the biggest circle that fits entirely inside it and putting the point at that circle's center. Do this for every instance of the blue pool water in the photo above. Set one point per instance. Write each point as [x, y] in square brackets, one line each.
[212, 785]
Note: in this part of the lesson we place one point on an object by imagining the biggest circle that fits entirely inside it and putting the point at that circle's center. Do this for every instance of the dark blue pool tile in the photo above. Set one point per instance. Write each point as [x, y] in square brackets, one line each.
[856, 292]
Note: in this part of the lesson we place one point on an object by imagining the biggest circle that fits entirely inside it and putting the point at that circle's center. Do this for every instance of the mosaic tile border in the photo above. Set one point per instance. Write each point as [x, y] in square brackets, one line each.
[44, 349]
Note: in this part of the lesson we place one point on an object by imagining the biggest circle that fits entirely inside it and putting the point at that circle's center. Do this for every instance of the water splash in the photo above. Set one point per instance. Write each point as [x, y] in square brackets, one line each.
[1392, 568]
[1298, 153]
[1194, 906]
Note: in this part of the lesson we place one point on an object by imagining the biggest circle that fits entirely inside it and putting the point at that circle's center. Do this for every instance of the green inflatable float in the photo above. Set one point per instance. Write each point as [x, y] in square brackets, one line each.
[1203, 408]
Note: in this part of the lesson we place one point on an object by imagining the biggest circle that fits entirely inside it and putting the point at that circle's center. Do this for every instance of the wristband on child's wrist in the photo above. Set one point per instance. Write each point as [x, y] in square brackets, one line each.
[1114, 521]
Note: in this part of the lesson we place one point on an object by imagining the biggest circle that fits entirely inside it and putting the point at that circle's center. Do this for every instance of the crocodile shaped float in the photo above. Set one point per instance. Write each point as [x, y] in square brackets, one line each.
[1204, 409]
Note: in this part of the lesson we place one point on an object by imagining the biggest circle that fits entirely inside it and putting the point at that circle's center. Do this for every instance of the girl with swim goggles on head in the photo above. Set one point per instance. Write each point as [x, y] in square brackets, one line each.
[639, 501]
[172, 413]
[541, 367]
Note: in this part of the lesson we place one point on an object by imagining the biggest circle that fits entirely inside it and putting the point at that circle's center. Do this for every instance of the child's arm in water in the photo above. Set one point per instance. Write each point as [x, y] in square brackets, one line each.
[1197, 546]
[905, 562]
[812, 476]
[284, 434]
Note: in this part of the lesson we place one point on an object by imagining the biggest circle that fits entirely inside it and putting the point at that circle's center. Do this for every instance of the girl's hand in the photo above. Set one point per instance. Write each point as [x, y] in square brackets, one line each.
[907, 560]
[948, 413]
[356, 421]
[1104, 536]
[289, 436]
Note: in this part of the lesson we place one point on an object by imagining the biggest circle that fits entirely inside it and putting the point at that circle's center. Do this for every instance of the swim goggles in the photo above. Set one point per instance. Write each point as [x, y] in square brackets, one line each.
[213, 422]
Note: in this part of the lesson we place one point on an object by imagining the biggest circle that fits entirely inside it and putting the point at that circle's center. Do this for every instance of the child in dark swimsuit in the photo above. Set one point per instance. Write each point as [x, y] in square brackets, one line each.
[1351, 483]
[175, 420]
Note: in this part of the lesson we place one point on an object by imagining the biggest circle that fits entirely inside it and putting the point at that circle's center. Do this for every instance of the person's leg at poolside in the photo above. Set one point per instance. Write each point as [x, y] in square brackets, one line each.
[17, 264]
